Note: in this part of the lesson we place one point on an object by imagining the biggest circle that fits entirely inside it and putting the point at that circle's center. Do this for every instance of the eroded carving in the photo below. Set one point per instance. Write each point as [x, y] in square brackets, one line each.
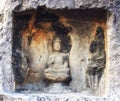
[58, 64]
[57, 71]
[97, 61]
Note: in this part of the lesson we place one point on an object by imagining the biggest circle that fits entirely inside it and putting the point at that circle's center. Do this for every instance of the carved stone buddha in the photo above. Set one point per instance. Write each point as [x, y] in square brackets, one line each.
[57, 70]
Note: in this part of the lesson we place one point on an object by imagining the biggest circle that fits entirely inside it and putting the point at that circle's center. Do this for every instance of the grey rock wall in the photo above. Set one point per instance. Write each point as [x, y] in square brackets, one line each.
[113, 40]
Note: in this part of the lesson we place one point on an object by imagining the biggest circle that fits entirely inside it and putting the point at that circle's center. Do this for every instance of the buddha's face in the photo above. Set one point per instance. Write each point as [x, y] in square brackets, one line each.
[57, 44]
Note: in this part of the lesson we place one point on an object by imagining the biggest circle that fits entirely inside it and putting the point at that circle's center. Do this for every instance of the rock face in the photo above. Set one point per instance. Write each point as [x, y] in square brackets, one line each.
[109, 84]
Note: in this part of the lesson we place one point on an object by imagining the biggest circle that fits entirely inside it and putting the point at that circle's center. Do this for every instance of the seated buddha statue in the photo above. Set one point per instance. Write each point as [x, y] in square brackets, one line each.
[57, 70]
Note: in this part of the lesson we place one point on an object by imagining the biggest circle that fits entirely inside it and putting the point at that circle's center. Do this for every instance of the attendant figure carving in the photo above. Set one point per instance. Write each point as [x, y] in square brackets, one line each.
[97, 61]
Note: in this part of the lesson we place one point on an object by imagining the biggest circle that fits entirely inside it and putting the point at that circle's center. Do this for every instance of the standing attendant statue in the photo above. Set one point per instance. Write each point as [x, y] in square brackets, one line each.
[97, 61]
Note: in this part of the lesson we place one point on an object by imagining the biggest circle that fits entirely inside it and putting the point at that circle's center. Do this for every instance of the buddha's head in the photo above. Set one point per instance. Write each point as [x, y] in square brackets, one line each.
[57, 44]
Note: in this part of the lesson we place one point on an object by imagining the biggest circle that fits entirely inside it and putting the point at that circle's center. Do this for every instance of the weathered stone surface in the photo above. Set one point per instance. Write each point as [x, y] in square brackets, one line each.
[56, 97]
[94, 3]
[113, 40]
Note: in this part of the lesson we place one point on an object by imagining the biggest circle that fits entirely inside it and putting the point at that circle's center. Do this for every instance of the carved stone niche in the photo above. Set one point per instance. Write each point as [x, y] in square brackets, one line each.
[58, 51]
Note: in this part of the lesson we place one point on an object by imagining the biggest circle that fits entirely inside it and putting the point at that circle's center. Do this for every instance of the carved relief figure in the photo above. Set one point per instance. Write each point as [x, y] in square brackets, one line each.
[57, 61]
[57, 70]
[97, 61]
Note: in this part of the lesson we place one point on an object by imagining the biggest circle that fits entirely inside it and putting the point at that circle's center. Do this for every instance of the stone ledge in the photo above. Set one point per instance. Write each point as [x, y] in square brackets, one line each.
[55, 97]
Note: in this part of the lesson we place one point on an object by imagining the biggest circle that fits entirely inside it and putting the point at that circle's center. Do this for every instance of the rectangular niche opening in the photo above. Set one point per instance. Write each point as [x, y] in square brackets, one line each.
[59, 51]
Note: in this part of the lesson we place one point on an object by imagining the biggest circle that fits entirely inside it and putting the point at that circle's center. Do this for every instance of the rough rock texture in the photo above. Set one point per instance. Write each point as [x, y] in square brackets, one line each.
[56, 97]
[113, 47]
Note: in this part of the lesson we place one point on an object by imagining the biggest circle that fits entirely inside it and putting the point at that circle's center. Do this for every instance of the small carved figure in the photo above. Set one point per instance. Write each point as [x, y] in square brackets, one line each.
[97, 61]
